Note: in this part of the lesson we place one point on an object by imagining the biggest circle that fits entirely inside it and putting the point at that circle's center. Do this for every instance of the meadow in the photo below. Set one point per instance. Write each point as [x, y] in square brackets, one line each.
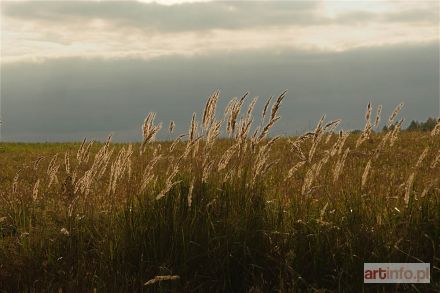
[225, 207]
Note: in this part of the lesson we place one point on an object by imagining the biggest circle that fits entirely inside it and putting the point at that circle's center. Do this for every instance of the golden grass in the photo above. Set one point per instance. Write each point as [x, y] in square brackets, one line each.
[243, 206]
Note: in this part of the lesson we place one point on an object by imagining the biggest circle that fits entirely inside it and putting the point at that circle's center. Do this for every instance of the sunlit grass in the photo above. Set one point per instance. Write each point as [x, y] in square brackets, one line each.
[218, 215]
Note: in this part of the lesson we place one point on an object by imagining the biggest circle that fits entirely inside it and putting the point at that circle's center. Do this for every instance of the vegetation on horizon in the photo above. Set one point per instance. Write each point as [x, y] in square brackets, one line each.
[250, 213]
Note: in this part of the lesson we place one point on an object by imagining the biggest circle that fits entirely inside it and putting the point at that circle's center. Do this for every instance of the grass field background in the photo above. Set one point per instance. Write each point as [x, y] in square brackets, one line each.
[241, 212]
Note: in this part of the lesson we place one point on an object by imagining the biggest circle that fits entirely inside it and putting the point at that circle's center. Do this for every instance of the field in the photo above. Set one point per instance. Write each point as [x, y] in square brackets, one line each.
[241, 212]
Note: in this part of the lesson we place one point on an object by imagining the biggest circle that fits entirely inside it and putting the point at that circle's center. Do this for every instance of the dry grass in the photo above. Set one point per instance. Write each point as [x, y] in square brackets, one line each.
[247, 212]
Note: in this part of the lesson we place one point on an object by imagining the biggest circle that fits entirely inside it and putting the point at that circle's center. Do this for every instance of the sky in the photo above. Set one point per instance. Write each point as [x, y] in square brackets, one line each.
[75, 69]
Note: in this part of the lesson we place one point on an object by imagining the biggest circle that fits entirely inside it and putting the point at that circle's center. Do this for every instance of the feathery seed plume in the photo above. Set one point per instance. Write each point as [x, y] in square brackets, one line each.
[377, 118]
[394, 114]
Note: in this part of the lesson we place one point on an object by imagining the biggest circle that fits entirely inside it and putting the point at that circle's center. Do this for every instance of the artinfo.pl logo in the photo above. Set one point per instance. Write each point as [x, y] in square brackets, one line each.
[396, 272]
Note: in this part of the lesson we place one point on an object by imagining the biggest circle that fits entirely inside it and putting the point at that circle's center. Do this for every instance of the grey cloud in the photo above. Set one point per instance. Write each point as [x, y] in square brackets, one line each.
[182, 17]
[426, 15]
[68, 99]
[201, 16]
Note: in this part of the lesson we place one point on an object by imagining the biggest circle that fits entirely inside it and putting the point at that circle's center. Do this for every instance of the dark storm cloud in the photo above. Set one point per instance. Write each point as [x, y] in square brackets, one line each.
[67, 99]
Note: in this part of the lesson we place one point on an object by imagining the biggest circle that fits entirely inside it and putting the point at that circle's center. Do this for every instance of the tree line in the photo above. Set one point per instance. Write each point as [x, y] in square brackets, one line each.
[428, 125]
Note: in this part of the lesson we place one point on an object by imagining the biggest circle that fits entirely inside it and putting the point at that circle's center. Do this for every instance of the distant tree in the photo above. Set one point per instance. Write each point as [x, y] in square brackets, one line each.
[428, 125]
[413, 126]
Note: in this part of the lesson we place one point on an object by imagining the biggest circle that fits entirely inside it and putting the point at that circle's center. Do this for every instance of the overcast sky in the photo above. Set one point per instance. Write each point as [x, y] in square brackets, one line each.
[88, 68]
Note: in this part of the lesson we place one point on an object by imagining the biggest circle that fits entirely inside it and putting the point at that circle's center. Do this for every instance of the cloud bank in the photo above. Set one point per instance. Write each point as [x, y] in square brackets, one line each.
[67, 99]
[48, 29]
